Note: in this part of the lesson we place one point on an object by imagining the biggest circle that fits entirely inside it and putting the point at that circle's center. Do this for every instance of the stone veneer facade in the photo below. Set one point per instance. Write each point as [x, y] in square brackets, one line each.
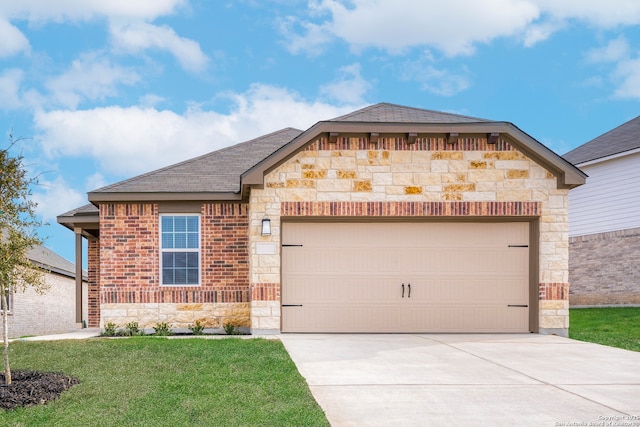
[604, 268]
[429, 178]
[349, 178]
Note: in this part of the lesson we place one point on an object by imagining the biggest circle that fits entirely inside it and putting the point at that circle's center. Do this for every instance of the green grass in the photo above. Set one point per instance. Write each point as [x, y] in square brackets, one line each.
[147, 381]
[615, 327]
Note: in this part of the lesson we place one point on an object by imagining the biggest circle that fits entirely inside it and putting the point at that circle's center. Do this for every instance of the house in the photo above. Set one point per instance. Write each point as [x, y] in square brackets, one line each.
[387, 219]
[52, 312]
[604, 220]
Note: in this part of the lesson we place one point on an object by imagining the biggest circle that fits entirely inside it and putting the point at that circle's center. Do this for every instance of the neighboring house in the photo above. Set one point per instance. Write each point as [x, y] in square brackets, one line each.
[604, 220]
[52, 312]
[387, 219]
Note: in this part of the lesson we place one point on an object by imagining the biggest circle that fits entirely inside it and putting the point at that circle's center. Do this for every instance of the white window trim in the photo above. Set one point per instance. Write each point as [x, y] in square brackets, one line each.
[198, 251]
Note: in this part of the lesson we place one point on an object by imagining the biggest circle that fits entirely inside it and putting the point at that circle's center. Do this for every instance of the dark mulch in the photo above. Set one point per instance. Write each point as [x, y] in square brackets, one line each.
[33, 388]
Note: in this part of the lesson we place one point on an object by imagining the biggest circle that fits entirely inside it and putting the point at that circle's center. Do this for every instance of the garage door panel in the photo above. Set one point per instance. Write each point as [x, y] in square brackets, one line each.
[340, 289]
[347, 277]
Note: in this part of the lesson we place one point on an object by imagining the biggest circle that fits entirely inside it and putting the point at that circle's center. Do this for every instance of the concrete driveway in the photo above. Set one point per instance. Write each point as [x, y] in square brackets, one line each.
[492, 380]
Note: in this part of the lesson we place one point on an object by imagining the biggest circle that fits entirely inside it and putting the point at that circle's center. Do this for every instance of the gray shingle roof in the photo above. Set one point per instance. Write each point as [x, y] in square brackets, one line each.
[625, 137]
[88, 209]
[392, 113]
[218, 171]
[50, 260]
[220, 174]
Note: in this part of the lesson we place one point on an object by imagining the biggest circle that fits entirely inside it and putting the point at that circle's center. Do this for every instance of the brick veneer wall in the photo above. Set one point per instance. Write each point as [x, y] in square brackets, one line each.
[53, 312]
[130, 283]
[604, 268]
[93, 288]
[353, 177]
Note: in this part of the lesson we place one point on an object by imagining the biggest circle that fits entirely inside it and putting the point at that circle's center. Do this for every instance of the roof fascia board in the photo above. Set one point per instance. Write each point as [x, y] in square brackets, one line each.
[568, 175]
[106, 197]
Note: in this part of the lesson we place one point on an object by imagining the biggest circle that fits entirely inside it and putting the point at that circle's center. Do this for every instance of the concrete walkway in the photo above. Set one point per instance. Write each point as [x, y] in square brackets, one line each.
[471, 380]
[79, 334]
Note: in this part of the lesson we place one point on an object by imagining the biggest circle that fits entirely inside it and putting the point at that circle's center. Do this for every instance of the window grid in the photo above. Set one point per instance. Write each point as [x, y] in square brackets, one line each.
[180, 250]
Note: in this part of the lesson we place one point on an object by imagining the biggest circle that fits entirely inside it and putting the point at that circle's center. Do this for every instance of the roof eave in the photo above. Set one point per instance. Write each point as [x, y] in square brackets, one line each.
[106, 197]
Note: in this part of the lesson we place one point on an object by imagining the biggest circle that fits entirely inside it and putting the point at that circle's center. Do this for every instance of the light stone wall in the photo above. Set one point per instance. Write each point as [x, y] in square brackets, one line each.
[554, 314]
[412, 176]
[177, 315]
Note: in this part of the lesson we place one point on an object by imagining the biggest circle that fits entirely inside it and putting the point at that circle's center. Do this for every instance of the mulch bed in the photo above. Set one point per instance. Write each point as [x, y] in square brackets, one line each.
[33, 388]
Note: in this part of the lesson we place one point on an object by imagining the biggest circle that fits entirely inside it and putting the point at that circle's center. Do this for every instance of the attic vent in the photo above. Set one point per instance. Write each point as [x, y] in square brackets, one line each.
[411, 138]
[492, 138]
[333, 137]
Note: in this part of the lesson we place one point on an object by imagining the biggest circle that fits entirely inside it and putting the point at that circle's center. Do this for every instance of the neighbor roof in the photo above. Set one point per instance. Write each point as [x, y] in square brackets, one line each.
[619, 140]
[49, 260]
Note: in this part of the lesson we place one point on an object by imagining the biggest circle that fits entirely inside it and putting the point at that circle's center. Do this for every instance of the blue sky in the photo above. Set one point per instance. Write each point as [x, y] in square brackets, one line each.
[106, 90]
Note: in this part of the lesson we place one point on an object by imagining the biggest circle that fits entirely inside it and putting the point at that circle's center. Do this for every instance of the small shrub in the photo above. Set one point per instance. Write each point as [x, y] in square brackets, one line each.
[110, 329]
[231, 329]
[162, 329]
[133, 329]
[197, 328]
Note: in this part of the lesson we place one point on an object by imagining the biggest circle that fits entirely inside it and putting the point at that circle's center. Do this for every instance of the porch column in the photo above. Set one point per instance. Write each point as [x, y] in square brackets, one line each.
[78, 233]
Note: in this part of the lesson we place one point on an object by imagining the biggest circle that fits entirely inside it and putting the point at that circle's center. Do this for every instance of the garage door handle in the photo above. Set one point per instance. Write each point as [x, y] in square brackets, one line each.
[409, 286]
[292, 305]
[403, 290]
[517, 305]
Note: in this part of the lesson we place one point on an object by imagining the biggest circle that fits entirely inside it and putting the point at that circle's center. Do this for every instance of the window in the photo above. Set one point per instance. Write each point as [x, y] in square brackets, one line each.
[9, 301]
[180, 249]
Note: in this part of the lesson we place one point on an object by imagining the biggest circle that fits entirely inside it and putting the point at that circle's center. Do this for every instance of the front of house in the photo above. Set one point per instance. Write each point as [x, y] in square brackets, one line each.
[388, 219]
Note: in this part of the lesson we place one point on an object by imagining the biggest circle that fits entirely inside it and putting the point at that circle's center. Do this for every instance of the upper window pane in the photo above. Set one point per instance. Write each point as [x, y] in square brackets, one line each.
[180, 232]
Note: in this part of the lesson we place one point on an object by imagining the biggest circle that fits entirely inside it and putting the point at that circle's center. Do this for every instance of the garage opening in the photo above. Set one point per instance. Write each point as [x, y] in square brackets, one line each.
[405, 277]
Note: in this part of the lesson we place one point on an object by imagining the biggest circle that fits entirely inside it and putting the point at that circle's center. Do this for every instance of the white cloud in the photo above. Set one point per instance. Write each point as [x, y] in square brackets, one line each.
[129, 23]
[40, 11]
[10, 82]
[438, 81]
[139, 36]
[627, 75]
[55, 197]
[129, 140]
[625, 67]
[597, 13]
[13, 41]
[454, 27]
[350, 87]
[91, 77]
[150, 100]
[615, 50]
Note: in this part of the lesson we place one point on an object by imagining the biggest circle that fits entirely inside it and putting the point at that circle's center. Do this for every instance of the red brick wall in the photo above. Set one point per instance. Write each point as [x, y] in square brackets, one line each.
[129, 255]
[93, 276]
[225, 250]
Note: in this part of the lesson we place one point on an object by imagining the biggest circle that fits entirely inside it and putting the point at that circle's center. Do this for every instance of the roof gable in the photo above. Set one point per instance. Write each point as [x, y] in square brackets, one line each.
[387, 118]
[622, 139]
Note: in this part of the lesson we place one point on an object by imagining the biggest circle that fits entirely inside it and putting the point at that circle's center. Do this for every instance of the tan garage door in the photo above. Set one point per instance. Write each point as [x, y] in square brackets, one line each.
[405, 277]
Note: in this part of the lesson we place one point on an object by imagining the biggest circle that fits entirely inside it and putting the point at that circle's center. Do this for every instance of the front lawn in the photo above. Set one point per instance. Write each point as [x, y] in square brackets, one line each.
[615, 327]
[149, 381]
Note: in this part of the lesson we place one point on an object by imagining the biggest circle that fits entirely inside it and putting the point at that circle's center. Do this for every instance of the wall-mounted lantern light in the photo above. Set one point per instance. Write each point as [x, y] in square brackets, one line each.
[266, 226]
